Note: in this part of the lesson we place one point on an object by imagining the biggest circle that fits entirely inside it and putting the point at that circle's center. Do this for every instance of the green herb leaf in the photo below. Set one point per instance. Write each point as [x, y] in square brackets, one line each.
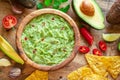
[56, 4]
[65, 9]
[63, 0]
[47, 2]
[39, 6]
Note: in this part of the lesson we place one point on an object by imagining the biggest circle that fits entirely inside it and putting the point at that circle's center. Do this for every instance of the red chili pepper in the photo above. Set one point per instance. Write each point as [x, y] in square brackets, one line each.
[102, 45]
[86, 34]
[9, 21]
[84, 49]
[97, 52]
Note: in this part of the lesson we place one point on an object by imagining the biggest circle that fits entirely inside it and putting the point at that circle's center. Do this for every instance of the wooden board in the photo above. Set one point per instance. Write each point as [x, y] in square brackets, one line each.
[79, 60]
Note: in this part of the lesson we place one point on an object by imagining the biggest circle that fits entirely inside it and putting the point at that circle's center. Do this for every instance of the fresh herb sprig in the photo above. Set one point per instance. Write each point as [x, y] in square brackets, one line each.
[55, 4]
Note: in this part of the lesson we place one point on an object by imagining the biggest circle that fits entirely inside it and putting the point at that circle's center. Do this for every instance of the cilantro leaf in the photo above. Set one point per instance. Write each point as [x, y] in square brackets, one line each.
[47, 2]
[65, 9]
[63, 0]
[56, 4]
[39, 5]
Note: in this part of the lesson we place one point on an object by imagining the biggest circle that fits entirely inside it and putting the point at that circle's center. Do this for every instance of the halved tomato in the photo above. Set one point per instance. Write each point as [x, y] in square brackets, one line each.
[9, 21]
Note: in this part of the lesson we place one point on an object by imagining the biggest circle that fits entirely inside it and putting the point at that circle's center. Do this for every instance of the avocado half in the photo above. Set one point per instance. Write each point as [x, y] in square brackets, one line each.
[97, 20]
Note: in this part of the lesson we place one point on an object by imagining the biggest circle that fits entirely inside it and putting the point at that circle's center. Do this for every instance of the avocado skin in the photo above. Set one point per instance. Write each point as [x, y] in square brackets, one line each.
[96, 22]
[25, 3]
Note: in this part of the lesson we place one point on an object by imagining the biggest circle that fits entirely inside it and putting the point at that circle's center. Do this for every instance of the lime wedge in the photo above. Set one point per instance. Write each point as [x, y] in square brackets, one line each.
[111, 37]
[119, 46]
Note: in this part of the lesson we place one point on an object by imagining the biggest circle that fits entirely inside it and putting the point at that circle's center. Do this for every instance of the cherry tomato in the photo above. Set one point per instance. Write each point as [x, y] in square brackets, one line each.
[84, 49]
[97, 52]
[9, 21]
[102, 45]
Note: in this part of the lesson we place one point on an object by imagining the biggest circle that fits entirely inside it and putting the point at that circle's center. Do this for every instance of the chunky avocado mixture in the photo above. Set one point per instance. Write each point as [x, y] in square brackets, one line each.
[48, 39]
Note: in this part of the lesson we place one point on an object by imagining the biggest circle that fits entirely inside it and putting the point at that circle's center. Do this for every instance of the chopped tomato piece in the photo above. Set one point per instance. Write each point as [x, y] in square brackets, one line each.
[97, 52]
[9, 21]
[84, 49]
[102, 45]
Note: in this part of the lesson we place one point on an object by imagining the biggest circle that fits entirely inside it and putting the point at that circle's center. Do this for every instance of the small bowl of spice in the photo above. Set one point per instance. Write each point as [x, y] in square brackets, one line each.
[47, 39]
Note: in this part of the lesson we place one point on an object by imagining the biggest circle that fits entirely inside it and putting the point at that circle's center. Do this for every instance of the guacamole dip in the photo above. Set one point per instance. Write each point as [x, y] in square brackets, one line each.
[48, 39]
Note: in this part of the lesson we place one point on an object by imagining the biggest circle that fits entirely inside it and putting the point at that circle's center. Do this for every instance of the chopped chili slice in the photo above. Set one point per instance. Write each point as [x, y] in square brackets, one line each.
[43, 24]
[53, 18]
[84, 49]
[62, 28]
[97, 52]
[26, 38]
[33, 25]
[86, 34]
[102, 45]
[42, 39]
[34, 51]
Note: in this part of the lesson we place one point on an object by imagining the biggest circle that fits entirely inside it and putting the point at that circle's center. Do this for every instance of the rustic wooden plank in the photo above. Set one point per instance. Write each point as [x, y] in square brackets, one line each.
[79, 59]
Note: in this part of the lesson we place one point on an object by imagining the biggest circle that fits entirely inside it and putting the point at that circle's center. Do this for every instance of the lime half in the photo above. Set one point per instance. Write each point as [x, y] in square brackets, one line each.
[119, 46]
[111, 37]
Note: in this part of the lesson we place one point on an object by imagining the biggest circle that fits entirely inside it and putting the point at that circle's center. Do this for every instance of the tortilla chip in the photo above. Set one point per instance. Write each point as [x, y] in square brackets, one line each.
[114, 68]
[38, 75]
[98, 68]
[80, 73]
[73, 76]
[96, 64]
[83, 71]
[94, 77]
[101, 64]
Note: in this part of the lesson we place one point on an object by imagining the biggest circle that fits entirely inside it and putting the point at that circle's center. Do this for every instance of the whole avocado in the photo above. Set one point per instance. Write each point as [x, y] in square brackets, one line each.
[113, 15]
[24, 3]
[27, 3]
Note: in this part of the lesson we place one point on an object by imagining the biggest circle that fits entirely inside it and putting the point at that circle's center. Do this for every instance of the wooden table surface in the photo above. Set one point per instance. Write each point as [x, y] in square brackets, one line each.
[79, 59]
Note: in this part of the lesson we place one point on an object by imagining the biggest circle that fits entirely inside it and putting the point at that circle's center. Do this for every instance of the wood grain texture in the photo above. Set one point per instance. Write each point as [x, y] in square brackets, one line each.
[79, 59]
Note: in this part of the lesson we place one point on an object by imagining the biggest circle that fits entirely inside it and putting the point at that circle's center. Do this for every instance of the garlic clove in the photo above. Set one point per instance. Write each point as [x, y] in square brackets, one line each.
[4, 62]
[15, 72]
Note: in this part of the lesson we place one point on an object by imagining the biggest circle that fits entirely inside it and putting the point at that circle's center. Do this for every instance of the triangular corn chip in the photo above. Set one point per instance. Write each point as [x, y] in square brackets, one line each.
[98, 68]
[80, 73]
[85, 73]
[94, 77]
[38, 75]
[96, 64]
[114, 68]
[101, 64]
[73, 76]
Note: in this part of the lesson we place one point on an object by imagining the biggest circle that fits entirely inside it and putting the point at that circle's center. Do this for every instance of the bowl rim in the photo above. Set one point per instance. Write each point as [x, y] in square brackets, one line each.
[38, 13]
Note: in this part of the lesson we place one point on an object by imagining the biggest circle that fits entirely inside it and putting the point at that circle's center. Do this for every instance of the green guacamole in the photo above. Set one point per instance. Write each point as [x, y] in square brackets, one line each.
[48, 39]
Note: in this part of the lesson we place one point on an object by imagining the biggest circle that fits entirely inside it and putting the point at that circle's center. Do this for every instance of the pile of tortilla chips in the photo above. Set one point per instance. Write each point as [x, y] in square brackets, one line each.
[98, 68]
[38, 75]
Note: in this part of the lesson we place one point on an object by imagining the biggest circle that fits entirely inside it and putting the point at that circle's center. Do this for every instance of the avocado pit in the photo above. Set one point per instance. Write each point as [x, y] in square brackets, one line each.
[87, 8]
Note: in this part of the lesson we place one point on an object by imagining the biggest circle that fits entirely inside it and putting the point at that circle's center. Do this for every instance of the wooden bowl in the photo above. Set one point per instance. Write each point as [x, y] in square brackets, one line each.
[35, 14]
